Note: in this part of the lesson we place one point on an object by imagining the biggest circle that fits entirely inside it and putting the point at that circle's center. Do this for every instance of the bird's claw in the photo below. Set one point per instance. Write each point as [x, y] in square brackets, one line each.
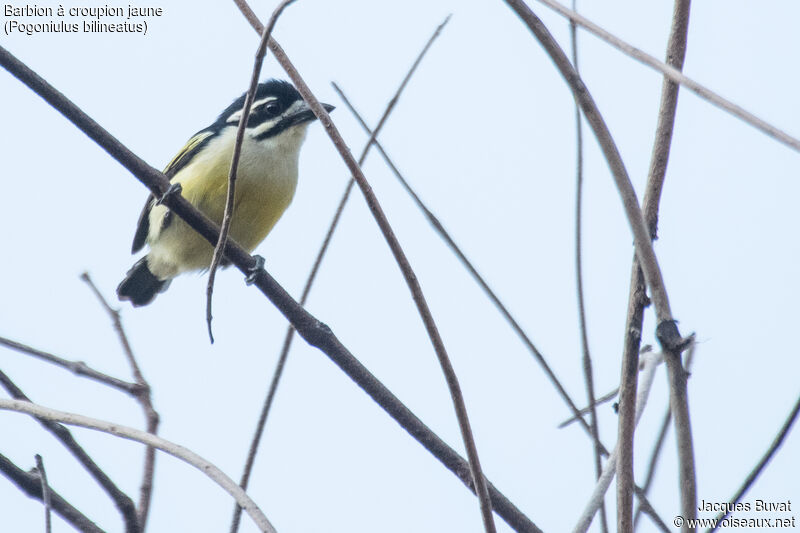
[253, 271]
[174, 189]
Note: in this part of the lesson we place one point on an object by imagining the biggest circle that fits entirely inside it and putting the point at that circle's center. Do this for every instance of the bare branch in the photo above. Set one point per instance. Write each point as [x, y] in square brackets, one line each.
[215, 474]
[287, 342]
[587, 358]
[644, 248]
[79, 368]
[667, 330]
[677, 76]
[762, 464]
[48, 528]
[517, 328]
[647, 509]
[481, 488]
[637, 300]
[312, 330]
[598, 401]
[443, 233]
[237, 152]
[651, 361]
[143, 396]
[31, 484]
[659, 444]
[121, 500]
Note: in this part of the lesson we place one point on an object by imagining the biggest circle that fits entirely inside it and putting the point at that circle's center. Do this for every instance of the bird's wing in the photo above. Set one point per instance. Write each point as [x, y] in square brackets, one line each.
[181, 159]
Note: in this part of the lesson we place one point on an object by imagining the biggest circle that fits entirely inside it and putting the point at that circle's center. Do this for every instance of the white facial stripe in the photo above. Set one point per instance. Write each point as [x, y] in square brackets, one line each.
[237, 115]
[261, 128]
[295, 106]
[259, 103]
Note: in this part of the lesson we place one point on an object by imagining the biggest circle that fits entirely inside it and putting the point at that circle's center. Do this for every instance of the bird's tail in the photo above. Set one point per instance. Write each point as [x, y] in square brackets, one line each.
[141, 286]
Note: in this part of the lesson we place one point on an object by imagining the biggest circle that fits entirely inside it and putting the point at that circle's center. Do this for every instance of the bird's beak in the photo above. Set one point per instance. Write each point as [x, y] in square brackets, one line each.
[303, 114]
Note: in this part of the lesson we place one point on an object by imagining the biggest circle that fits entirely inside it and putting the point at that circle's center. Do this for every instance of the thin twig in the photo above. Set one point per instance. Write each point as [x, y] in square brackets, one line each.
[677, 76]
[121, 500]
[676, 53]
[644, 248]
[587, 358]
[481, 488]
[647, 508]
[653, 462]
[227, 216]
[578, 417]
[287, 341]
[184, 454]
[762, 464]
[31, 484]
[598, 402]
[443, 233]
[79, 368]
[143, 396]
[308, 327]
[48, 527]
[651, 361]
[659, 444]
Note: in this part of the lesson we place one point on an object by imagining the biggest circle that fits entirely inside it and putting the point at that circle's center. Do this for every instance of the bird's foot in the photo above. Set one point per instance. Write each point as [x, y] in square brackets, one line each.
[173, 190]
[253, 271]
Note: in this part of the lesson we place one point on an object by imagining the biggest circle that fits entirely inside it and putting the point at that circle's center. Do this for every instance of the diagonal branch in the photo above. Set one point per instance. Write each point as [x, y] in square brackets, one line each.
[237, 152]
[677, 76]
[762, 464]
[287, 341]
[79, 368]
[312, 330]
[445, 235]
[31, 484]
[410, 277]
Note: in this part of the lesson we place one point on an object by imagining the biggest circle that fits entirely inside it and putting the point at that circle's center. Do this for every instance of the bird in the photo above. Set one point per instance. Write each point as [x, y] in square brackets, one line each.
[265, 185]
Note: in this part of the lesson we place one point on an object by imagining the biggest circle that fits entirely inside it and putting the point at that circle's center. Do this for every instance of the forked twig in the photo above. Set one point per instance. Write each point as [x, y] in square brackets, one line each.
[143, 396]
[287, 341]
[227, 216]
[479, 481]
[48, 527]
[31, 484]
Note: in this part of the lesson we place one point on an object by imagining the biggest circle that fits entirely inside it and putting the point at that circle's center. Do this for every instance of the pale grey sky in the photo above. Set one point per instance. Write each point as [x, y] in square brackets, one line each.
[485, 132]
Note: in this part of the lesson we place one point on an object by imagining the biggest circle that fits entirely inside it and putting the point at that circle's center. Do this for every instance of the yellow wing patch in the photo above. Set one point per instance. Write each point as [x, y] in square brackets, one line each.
[186, 153]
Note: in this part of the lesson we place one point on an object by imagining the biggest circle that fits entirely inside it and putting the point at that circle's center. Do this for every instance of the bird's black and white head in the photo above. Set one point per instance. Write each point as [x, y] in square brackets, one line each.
[277, 109]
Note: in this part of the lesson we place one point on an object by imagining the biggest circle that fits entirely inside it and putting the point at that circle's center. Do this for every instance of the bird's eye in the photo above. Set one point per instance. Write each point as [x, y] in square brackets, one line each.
[272, 109]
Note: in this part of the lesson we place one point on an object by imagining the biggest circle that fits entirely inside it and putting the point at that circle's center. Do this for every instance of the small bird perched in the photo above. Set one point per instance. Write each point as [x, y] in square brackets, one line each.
[265, 185]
